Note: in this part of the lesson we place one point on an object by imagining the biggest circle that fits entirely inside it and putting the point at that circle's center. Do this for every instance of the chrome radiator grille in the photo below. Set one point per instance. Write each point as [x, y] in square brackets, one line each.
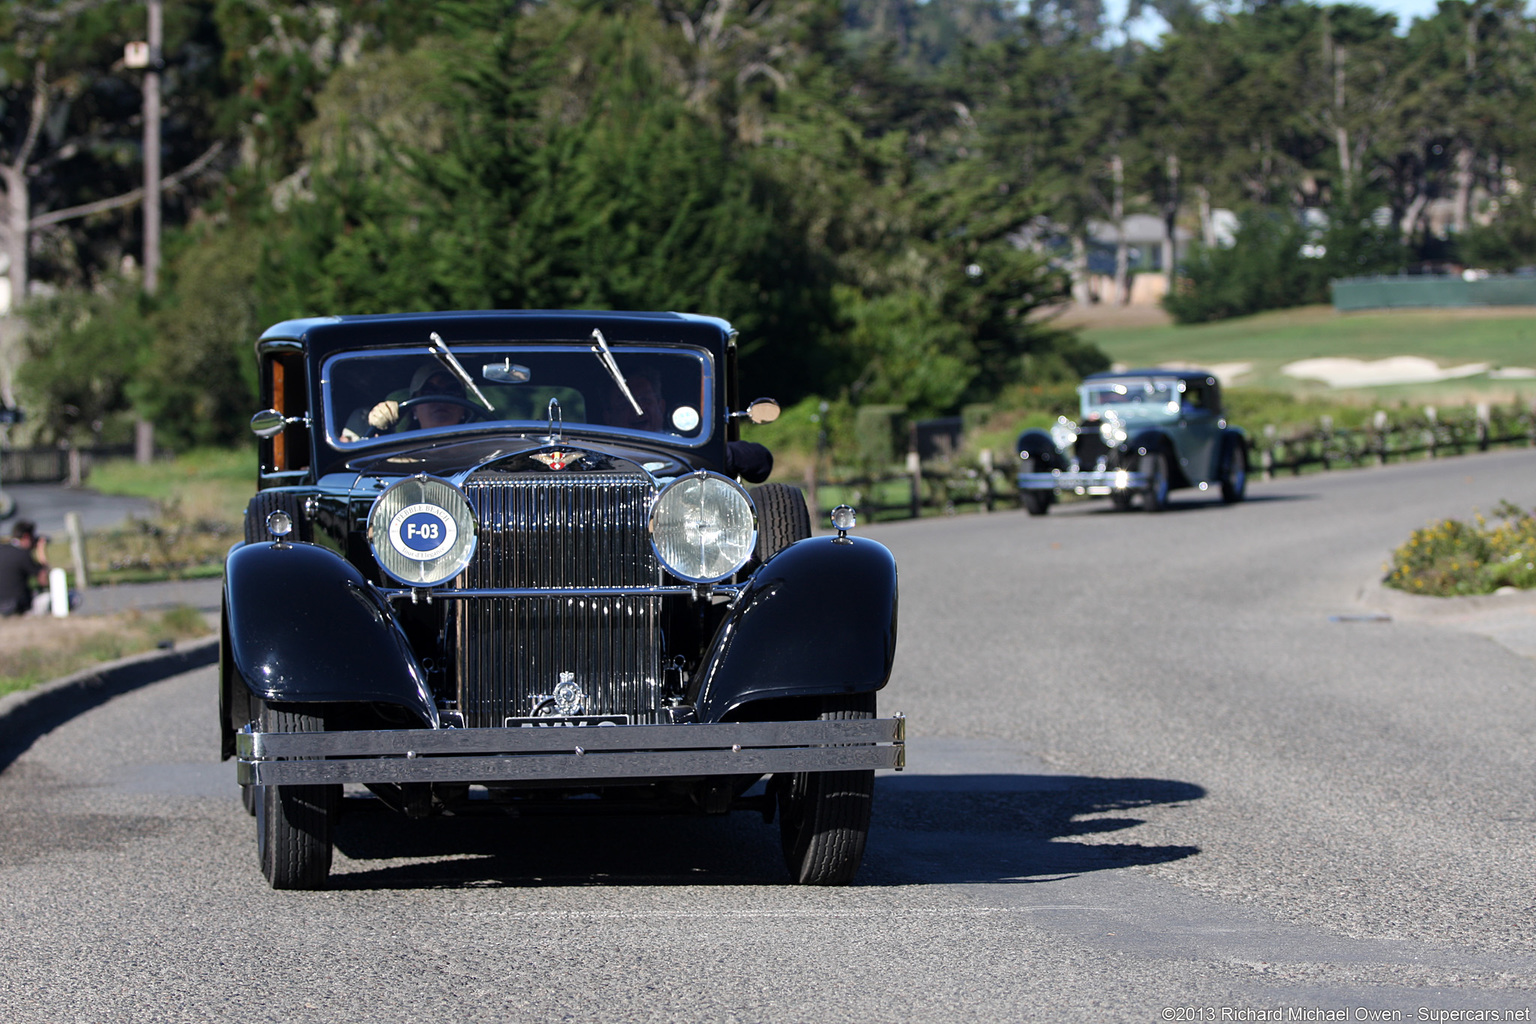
[558, 530]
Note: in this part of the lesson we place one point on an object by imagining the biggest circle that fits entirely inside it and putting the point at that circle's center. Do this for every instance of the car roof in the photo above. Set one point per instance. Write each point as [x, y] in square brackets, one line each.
[1152, 371]
[324, 334]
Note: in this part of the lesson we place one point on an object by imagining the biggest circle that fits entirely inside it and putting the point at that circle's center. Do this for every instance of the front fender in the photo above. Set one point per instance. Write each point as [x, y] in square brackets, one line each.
[303, 625]
[1037, 444]
[818, 618]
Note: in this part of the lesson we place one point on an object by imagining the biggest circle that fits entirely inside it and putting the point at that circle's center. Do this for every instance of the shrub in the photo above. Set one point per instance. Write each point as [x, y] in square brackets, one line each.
[1452, 557]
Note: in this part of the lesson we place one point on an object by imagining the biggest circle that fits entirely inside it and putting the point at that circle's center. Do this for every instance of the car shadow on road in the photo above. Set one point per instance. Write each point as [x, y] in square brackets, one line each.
[1193, 503]
[927, 829]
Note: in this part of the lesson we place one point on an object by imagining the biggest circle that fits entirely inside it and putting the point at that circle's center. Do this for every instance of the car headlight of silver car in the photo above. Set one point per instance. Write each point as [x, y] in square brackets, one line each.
[422, 531]
[703, 527]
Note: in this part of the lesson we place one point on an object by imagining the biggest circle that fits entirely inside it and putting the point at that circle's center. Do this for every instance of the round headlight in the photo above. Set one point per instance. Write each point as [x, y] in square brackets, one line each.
[1063, 432]
[422, 531]
[703, 527]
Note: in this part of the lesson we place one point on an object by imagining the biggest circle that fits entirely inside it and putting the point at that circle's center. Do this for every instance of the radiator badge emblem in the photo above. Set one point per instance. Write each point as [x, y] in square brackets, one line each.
[557, 459]
[569, 700]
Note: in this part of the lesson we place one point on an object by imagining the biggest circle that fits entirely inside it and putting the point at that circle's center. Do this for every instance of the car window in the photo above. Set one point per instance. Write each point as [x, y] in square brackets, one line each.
[1130, 398]
[378, 394]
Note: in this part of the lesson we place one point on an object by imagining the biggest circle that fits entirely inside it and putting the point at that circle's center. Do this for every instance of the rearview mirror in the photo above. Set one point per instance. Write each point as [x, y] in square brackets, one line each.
[268, 423]
[763, 410]
[506, 372]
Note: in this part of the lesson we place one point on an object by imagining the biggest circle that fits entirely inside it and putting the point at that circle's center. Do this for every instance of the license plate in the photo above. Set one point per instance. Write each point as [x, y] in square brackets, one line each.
[574, 722]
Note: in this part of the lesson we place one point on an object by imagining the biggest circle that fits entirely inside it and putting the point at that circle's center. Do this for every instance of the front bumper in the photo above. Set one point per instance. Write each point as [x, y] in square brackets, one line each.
[1100, 481]
[560, 754]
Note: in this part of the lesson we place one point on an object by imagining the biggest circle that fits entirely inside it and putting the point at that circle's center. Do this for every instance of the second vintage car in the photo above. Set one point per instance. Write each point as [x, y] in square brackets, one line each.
[1140, 433]
[503, 562]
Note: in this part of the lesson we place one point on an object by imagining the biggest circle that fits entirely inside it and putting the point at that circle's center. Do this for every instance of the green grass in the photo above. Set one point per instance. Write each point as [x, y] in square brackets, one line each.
[200, 497]
[57, 647]
[1500, 337]
[206, 482]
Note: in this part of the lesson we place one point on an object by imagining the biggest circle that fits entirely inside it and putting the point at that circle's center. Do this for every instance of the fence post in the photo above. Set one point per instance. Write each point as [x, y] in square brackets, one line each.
[1430, 414]
[74, 476]
[1379, 422]
[1484, 425]
[986, 479]
[143, 442]
[1267, 456]
[915, 474]
[1326, 425]
[812, 503]
[76, 548]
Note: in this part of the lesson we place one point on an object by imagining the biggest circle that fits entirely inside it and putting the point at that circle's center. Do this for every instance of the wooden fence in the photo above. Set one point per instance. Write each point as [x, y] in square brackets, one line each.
[986, 483]
[54, 465]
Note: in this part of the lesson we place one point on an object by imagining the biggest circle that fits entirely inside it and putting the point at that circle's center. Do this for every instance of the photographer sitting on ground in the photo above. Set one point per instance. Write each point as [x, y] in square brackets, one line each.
[22, 562]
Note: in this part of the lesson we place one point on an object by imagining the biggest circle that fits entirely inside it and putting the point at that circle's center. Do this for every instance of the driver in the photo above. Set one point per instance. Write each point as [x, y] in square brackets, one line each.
[428, 381]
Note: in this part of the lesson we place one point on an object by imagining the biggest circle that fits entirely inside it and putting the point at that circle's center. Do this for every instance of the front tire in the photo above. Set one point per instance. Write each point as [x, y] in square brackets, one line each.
[1036, 503]
[1234, 472]
[824, 816]
[1154, 466]
[294, 823]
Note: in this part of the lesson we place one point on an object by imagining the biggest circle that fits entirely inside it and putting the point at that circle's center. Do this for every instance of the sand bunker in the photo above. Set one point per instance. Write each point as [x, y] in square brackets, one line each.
[1339, 372]
[1226, 373]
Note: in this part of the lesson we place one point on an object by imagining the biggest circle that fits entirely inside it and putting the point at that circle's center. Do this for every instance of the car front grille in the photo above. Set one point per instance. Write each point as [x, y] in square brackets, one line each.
[558, 530]
[1090, 448]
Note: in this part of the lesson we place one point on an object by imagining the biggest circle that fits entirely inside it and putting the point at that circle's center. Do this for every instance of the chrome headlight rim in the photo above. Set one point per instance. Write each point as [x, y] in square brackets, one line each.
[422, 531]
[743, 542]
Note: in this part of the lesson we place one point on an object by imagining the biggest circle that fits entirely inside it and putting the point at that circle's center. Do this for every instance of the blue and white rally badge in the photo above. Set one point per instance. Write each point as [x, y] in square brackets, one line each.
[422, 532]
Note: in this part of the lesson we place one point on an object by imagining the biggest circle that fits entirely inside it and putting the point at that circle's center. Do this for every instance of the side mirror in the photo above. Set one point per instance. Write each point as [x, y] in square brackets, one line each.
[763, 410]
[268, 423]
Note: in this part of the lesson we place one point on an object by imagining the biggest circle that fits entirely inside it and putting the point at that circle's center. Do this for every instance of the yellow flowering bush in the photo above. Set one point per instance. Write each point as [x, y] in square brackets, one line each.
[1452, 557]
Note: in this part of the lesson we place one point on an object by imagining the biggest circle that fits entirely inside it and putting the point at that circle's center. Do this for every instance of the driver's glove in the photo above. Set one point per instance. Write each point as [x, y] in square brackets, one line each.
[384, 415]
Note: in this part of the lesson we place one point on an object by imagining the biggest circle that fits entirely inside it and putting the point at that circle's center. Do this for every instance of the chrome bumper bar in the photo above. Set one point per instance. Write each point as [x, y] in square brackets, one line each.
[575, 754]
[1101, 481]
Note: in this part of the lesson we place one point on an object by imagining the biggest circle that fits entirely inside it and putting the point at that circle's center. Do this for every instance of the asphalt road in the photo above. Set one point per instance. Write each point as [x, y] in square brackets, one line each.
[1149, 780]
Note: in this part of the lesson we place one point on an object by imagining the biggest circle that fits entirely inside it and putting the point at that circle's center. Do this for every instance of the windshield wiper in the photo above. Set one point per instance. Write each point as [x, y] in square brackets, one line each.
[605, 356]
[440, 349]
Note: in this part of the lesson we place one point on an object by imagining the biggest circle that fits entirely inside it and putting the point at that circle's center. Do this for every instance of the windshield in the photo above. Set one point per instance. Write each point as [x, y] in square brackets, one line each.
[380, 394]
[1131, 398]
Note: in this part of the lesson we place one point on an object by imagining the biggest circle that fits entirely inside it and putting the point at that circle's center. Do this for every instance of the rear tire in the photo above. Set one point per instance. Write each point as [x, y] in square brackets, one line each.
[1154, 466]
[1036, 503]
[294, 823]
[824, 816]
[1234, 472]
[782, 518]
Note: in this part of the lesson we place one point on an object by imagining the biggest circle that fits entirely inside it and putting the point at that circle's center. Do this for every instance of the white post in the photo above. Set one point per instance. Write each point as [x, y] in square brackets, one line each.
[58, 593]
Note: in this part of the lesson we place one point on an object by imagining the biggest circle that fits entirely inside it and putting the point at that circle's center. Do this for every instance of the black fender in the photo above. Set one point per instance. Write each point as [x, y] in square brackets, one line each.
[1037, 444]
[302, 625]
[818, 618]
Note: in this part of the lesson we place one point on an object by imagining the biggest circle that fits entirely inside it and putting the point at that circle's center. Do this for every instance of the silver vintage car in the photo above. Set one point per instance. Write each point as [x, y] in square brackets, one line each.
[1140, 432]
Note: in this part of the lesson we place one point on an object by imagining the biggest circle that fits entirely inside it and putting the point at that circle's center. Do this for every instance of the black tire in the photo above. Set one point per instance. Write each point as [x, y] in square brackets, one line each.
[263, 504]
[1234, 471]
[824, 816]
[1154, 466]
[1036, 503]
[782, 518]
[294, 823]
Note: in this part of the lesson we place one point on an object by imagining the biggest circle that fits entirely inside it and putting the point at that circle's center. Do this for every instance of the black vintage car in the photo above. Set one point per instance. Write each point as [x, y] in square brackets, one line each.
[503, 561]
[1140, 433]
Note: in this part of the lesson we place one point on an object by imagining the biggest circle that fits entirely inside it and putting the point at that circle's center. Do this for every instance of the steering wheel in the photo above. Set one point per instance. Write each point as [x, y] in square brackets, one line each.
[464, 403]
